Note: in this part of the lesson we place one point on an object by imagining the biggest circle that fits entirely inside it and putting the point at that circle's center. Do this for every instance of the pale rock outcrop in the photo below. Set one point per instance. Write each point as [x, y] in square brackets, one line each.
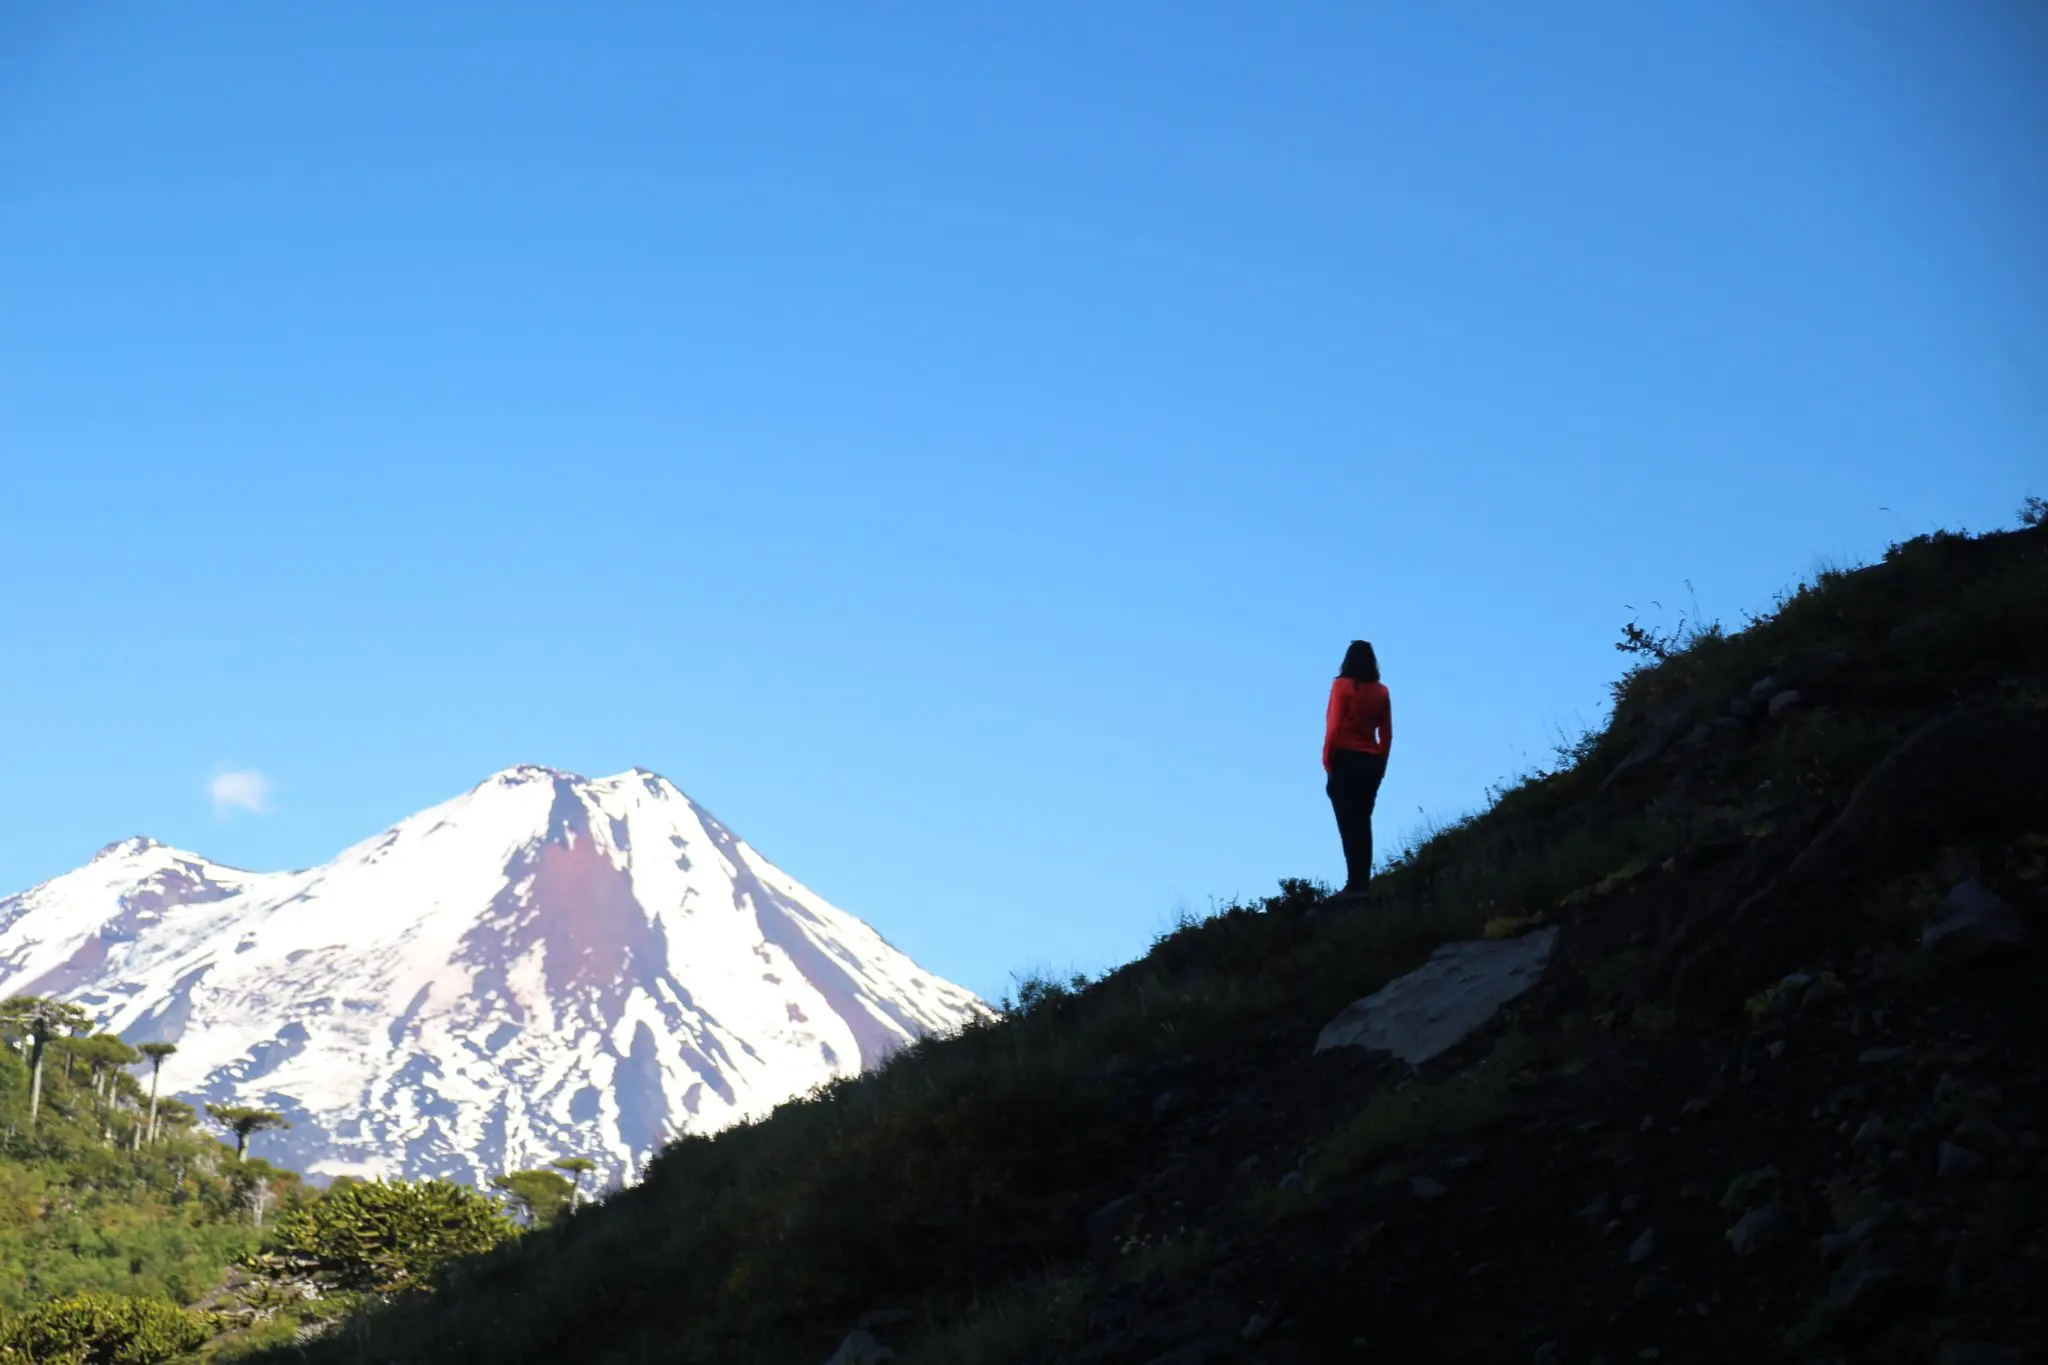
[1446, 1000]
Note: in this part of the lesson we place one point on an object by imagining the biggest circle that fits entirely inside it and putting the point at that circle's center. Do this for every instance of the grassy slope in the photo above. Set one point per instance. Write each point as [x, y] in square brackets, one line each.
[1269, 1212]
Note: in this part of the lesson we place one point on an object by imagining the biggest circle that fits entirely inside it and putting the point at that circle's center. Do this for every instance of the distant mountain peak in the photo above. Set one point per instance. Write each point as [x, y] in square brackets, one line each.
[545, 965]
[520, 773]
[127, 848]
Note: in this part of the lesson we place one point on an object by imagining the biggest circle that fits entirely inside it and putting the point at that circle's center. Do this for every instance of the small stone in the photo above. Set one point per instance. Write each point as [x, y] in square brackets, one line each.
[1248, 1165]
[1869, 1135]
[861, 1348]
[1162, 1104]
[1427, 1187]
[1978, 922]
[1956, 1161]
[1952, 1086]
[1756, 1230]
[1597, 1208]
[1954, 865]
[1776, 1049]
[1748, 1190]
[1878, 1056]
[1292, 1181]
[1977, 1133]
[1256, 1326]
[1107, 1221]
[1783, 702]
[1643, 1248]
[1869, 1272]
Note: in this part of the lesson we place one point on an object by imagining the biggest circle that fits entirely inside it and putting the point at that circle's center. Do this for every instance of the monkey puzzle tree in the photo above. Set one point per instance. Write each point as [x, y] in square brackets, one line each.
[39, 1020]
[538, 1195]
[156, 1052]
[175, 1113]
[381, 1237]
[575, 1166]
[103, 1055]
[245, 1122]
[95, 1326]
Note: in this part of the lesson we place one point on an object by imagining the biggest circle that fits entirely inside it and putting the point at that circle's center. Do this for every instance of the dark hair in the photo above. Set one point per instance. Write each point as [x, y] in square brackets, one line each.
[1360, 663]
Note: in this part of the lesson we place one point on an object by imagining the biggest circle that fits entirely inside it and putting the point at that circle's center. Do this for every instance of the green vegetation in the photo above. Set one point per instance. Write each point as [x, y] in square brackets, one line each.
[381, 1237]
[1408, 1117]
[577, 1167]
[538, 1197]
[37, 1022]
[106, 1230]
[1014, 1323]
[245, 1123]
[101, 1329]
[118, 1215]
[88, 1205]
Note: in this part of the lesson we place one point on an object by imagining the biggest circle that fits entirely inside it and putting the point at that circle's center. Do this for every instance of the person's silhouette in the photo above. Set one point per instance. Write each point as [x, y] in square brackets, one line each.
[1358, 730]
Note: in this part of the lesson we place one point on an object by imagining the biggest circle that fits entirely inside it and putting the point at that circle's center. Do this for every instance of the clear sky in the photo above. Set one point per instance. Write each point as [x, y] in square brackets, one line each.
[955, 442]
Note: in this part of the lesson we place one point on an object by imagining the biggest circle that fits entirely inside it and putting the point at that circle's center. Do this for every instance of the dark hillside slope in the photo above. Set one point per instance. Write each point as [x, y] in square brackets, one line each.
[1744, 1113]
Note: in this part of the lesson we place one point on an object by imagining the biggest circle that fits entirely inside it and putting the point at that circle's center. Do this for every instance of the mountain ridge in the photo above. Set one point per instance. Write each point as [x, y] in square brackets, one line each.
[545, 964]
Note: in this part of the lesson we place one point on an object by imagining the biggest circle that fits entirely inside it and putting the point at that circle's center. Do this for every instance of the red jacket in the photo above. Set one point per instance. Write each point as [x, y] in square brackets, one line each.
[1361, 717]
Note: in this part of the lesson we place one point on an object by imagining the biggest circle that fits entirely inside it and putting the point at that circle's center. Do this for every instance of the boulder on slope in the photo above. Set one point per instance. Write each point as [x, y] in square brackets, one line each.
[1445, 1001]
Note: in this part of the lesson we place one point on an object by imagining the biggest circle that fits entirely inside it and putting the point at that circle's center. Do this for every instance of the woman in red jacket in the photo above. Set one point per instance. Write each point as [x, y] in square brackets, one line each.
[1357, 732]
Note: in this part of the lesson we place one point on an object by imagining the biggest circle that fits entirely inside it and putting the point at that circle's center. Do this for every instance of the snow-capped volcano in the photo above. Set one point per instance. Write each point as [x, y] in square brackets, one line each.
[545, 966]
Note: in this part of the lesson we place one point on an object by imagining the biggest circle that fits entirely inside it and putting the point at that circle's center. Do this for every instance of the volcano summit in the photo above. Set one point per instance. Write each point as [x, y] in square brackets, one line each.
[545, 966]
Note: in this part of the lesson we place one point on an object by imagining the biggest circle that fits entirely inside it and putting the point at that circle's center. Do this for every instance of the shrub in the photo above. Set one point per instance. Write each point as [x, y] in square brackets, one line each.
[101, 1329]
[380, 1237]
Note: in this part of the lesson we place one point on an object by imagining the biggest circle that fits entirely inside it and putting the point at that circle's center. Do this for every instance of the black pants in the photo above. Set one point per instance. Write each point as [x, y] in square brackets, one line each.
[1353, 787]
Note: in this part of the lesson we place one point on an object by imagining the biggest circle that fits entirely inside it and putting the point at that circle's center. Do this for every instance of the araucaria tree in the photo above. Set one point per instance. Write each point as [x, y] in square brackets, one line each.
[39, 1020]
[156, 1052]
[244, 1122]
[575, 1166]
[540, 1196]
[382, 1237]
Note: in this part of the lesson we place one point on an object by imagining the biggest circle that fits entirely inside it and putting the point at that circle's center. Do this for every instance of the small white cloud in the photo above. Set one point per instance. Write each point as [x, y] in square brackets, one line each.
[239, 789]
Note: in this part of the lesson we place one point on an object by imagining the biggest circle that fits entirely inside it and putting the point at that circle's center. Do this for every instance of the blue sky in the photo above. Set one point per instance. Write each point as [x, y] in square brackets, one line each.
[955, 443]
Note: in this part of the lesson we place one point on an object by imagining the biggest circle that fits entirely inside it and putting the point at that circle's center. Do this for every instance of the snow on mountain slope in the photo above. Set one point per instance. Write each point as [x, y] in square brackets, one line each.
[545, 966]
